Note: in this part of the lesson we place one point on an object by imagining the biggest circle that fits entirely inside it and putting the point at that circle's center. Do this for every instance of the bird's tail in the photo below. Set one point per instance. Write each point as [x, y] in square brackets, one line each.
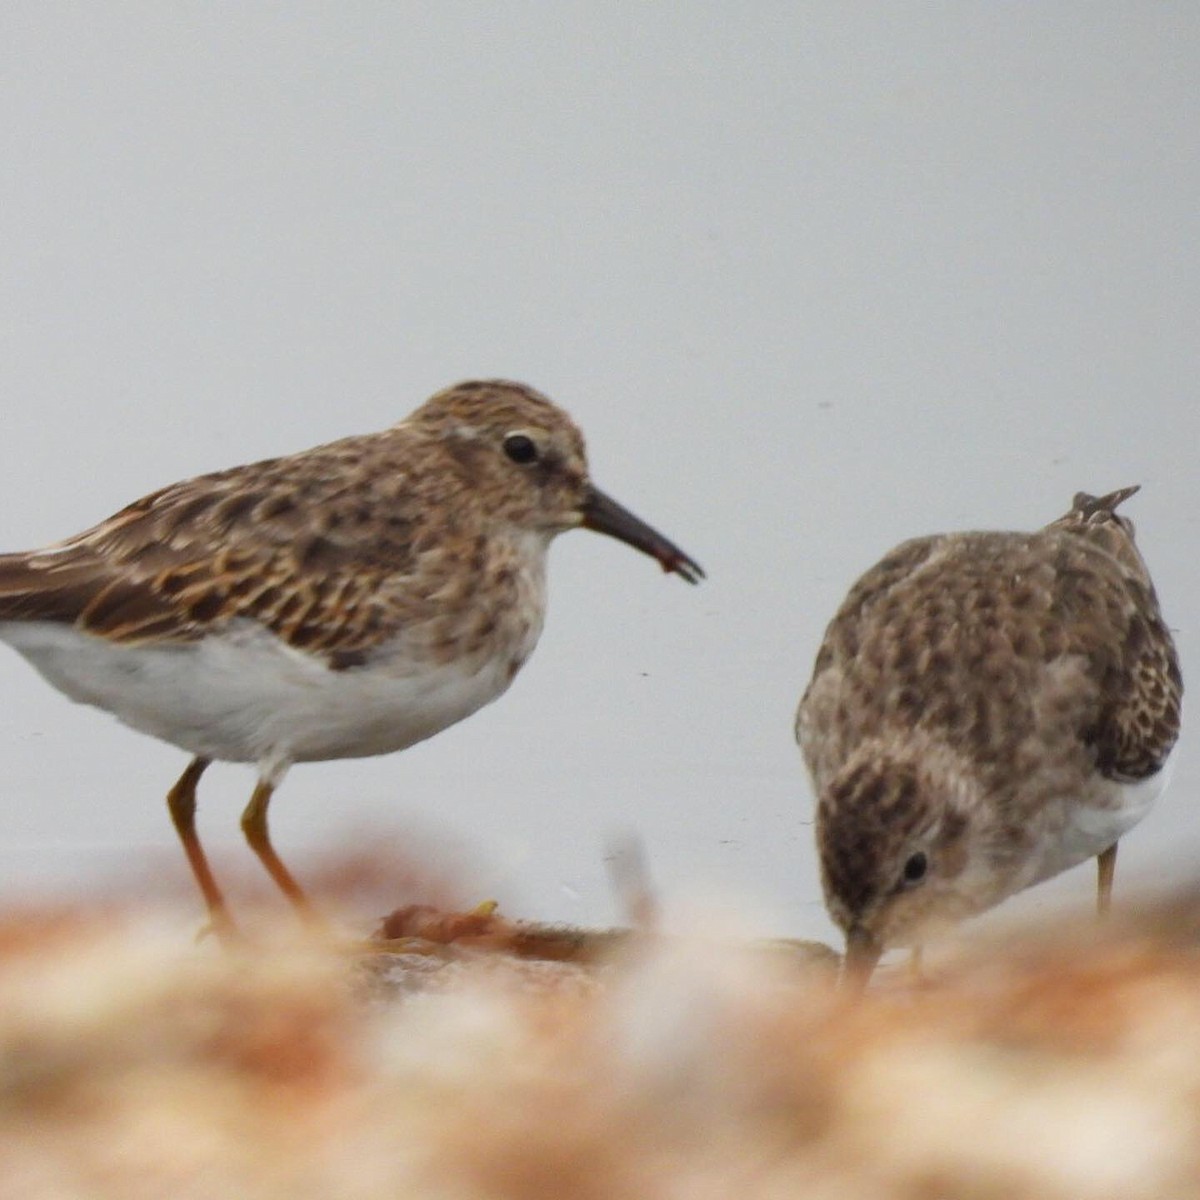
[42, 586]
[1096, 519]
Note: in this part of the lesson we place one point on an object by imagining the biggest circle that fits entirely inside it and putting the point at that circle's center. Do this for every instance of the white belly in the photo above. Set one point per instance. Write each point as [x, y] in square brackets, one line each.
[1090, 828]
[245, 696]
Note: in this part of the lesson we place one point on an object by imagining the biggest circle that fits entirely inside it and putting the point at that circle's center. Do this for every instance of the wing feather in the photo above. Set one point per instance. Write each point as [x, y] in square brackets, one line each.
[304, 545]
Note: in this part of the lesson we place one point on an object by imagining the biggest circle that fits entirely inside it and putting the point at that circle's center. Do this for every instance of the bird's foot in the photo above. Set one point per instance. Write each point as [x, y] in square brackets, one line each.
[220, 925]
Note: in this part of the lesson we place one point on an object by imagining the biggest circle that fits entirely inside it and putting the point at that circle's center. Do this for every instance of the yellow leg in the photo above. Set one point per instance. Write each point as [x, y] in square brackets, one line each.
[1106, 864]
[254, 826]
[181, 800]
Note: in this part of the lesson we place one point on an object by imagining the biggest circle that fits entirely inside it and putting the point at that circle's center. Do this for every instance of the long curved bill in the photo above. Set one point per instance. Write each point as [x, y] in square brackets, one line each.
[605, 515]
[862, 953]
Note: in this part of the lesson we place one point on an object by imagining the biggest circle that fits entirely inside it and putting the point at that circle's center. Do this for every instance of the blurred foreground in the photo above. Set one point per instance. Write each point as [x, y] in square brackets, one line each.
[1065, 1063]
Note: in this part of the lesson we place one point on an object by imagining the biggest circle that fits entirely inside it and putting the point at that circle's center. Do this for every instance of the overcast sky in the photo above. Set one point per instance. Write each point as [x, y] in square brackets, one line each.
[813, 278]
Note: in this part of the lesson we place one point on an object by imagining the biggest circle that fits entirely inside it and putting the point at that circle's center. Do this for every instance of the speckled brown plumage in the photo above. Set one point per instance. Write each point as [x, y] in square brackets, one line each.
[332, 549]
[973, 701]
[348, 600]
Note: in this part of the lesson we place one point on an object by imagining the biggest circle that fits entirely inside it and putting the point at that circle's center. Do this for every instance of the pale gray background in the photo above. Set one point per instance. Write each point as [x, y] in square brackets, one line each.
[813, 278]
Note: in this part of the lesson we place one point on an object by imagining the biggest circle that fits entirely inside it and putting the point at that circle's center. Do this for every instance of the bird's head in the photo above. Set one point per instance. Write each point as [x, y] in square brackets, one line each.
[897, 836]
[526, 459]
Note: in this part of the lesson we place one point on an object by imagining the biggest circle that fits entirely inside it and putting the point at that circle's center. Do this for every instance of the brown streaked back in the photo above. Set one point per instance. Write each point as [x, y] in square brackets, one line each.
[954, 633]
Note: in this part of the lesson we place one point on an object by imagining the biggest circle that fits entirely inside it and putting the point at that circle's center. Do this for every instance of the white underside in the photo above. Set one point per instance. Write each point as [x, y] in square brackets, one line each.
[246, 696]
[1092, 827]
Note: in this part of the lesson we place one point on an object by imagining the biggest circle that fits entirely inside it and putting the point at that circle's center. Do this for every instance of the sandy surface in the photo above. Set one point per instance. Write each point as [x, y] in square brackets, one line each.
[1060, 1063]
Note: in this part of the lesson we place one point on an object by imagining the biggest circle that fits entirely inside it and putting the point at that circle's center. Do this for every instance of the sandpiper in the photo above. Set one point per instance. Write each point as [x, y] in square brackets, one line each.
[986, 711]
[349, 600]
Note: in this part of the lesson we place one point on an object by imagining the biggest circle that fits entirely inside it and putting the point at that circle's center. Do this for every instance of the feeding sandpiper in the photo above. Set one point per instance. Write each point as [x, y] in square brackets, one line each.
[986, 711]
[349, 600]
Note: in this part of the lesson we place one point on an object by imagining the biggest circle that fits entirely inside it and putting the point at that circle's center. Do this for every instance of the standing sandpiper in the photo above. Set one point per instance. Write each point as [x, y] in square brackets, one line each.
[346, 601]
[986, 710]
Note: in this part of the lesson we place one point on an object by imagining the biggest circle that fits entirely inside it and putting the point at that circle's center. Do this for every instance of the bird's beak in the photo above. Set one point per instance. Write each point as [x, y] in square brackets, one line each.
[607, 516]
[862, 953]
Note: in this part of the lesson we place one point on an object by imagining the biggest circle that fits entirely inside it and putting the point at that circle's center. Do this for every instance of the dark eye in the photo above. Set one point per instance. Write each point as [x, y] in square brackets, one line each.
[915, 867]
[520, 449]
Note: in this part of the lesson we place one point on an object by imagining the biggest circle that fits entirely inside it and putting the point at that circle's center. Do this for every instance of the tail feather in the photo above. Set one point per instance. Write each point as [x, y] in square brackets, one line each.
[43, 586]
[1095, 518]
